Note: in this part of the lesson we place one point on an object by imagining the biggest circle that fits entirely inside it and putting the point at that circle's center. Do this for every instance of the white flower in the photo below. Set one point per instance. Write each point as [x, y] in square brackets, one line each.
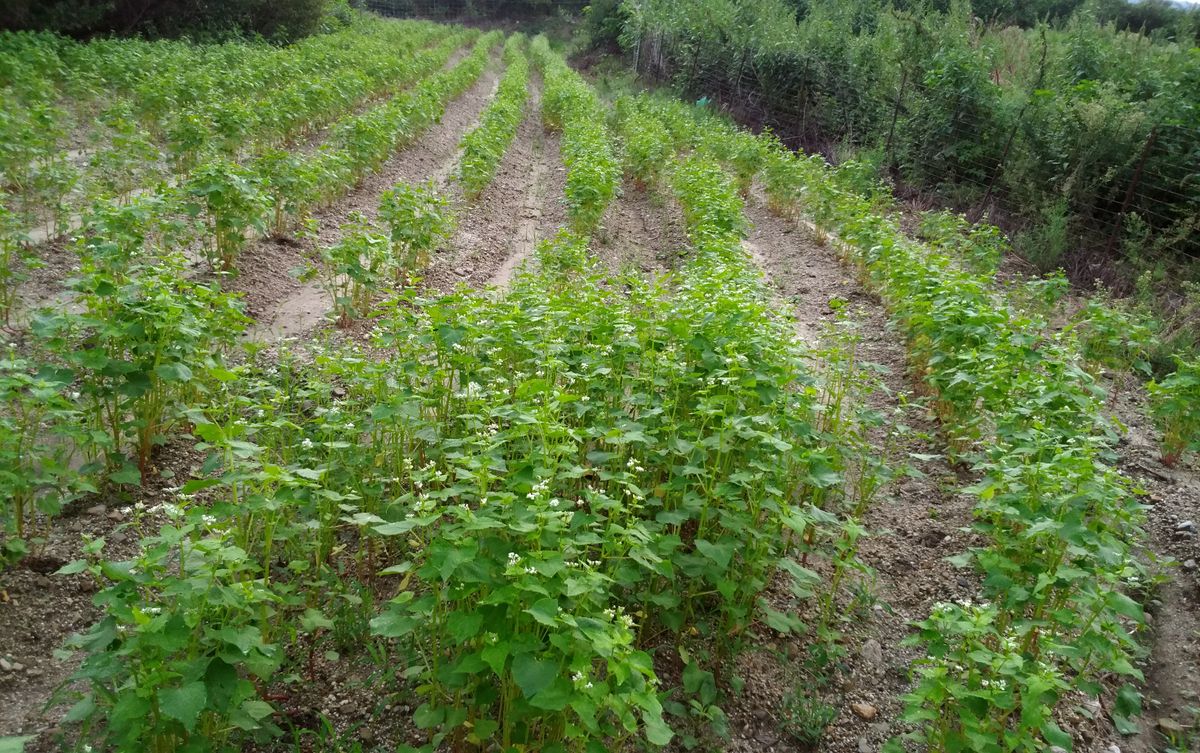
[513, 558]
[307, 443]
[531, 571]
[554, 502]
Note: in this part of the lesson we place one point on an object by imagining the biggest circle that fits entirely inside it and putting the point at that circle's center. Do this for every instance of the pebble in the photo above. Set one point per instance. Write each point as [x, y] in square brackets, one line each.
[5, 666]
[115, 515]
[863, 745]
[872, 655]
[1189, 565]
[1113, 749]
[96, 510]
[33, 672]
[1187, 526]
[864, 710]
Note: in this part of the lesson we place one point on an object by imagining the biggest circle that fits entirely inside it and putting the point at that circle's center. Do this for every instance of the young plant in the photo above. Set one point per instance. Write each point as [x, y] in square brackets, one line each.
[352, 269]
[1175, 405]
[14, 259]
[232, 202]
[140, 351]
[419, 221]
[39, 433]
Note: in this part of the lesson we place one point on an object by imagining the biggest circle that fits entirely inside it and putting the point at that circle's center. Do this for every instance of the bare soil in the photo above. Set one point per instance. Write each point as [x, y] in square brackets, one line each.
[914, 523]
[498, 229]
[286, 307]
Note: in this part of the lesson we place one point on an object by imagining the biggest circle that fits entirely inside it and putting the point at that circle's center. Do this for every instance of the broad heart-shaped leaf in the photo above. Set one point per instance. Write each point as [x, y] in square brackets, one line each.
[393, 625]
[533, 675]
[464, 625]
[184, 703]
[556, 697]
[545, 611]
[1056, 736]
[173, 372]
[657, 731]
[1127, 707]
[722, 553]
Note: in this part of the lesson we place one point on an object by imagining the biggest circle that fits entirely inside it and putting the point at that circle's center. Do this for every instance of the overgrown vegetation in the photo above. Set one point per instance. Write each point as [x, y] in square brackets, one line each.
[1076, 136]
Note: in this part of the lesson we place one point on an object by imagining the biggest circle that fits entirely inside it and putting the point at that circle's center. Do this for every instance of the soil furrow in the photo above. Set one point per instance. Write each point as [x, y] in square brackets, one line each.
[284, 307]
[641, 230]
[495, 232]
[914, 523]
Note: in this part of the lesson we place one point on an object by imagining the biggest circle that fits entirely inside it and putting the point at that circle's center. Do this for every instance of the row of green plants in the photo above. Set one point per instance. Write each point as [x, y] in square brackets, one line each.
[1015, 403]
[148, 110]
[571, 106]
[484, 147]
[1055, 617]
[522, 505]
[516, 508]
[1115, 337]
[129, 373]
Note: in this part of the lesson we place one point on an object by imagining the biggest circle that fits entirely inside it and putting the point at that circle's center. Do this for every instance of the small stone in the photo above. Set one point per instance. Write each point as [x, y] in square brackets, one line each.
[872, 655]
[1170, 726]
[33, 672]
[864, 710]
[461, 272]
[863, 745]
[5, 665]
[1189, 565]
[17, 667]
[1187, 526]
[115, 515]
[1114, 748]
[96, 510]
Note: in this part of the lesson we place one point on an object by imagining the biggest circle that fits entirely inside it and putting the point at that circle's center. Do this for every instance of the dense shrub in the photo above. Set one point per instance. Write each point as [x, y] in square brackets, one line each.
[274, 19]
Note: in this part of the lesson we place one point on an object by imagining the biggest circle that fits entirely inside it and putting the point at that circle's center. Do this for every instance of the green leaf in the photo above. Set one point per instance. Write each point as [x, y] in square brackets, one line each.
[127, 475]
[78, 566]
[14, 744]
[556, 697]
[464, 625]
[184, 704]
[1126, 708]
[533, 675]
[545, 611]
[173, 372]
[657, 731]
[393, 625]
[1125, 606]
[1056, 736]
[428, 716]
[722, 554]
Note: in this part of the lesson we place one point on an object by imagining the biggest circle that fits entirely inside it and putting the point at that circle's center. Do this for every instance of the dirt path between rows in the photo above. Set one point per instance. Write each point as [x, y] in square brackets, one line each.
[498, 230]
[914, 522]
[642, 231]
[283, 306]
[1173, 540]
